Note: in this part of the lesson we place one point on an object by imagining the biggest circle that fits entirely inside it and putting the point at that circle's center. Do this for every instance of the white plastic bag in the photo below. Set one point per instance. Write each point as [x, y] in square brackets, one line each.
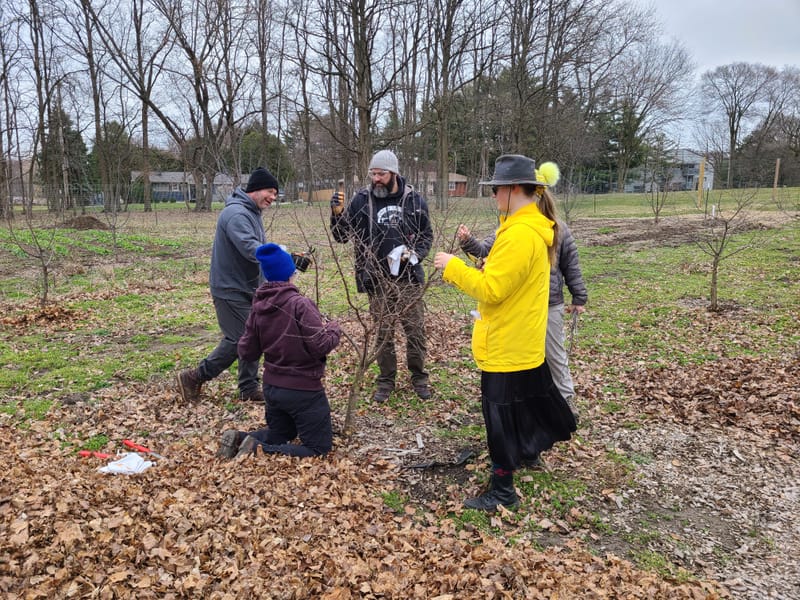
[130, 464]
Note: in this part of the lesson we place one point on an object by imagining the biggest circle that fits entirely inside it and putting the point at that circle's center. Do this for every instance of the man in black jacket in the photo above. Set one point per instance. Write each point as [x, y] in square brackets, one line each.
[389, 225]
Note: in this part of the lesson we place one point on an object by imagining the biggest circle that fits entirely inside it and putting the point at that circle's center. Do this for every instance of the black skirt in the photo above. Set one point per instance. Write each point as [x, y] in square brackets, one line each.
[525, 414]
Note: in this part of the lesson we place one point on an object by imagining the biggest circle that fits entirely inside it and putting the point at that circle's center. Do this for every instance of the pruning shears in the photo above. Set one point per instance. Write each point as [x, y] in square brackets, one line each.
[139, 448]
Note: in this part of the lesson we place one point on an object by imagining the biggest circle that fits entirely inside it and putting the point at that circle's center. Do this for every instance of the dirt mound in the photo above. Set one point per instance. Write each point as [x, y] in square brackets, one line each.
[85, 222]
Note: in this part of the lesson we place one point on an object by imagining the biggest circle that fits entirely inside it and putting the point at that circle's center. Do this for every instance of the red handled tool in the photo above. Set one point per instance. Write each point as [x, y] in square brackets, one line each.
[87, 453]
[139, 448]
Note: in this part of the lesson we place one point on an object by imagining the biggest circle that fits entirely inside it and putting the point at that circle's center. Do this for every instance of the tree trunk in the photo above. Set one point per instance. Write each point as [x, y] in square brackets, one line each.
[147, 189]
[714, 271]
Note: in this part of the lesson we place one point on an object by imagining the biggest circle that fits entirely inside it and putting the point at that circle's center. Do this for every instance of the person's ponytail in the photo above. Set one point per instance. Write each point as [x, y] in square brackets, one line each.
[549, 174]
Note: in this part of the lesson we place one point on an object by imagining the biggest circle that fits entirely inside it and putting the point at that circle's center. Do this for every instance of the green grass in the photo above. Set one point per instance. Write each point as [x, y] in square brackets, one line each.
[139, 312]
[479, 520]
[96, 442]
[395, 501]
[467, 432]
[549, 494]
[656, 562]
[33, 409]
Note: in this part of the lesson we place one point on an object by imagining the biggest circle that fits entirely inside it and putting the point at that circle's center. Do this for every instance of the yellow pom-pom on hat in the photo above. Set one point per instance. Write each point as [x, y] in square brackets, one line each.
[548, 174]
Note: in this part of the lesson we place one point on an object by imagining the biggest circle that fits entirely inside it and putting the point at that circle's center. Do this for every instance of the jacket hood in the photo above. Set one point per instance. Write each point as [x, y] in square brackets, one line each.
[240, 197]
[272, 296]
[531, 216]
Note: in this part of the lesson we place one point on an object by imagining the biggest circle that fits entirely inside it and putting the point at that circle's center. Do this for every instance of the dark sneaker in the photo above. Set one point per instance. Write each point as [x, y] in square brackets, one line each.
[489, 501]
[382, 393]
[423, 390]
[255, 395]
[501, 492]
[248, 447]
[189, 384]
[230, 442]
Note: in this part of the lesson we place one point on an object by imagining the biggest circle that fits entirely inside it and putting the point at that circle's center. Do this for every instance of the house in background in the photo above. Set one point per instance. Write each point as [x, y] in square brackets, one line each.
[456, 184]
[688, 170]
[683, 174]
[176, 186]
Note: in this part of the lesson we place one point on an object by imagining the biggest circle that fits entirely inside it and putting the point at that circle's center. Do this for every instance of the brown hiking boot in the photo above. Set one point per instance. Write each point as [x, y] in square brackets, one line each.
[189, 384]
[382, 392]
[248, 447]
[255, 395]
[423, 390]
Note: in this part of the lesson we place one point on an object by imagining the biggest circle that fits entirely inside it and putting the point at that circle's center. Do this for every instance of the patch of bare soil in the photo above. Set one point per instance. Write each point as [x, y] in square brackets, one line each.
[85, 222]
[669, 231]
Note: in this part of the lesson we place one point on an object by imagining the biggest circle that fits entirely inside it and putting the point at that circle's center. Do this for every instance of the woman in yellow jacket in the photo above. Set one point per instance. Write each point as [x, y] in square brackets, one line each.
[523, 411]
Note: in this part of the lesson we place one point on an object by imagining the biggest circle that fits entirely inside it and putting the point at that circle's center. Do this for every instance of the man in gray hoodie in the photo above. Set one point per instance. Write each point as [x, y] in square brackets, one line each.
[235, 275]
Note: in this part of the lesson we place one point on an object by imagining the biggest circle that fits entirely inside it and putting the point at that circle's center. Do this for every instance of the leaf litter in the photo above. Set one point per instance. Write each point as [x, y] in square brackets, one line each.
[697, 465]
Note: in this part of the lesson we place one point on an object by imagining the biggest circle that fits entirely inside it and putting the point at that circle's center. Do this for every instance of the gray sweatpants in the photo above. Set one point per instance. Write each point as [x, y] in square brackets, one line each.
[556, 352]
[231, 316]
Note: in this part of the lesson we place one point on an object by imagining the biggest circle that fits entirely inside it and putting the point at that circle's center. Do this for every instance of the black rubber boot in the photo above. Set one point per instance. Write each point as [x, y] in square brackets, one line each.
[501, 491]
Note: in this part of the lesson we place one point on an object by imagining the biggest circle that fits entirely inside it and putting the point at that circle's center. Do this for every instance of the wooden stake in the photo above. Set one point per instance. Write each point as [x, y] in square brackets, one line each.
[700, 180]
[775, 181]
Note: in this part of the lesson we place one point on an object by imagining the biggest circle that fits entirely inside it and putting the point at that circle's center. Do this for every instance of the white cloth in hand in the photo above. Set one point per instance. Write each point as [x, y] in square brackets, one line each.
[394, 259]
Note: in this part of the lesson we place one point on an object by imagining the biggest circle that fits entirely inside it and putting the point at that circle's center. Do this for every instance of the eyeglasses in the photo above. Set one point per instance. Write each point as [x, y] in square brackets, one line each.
[377, 173]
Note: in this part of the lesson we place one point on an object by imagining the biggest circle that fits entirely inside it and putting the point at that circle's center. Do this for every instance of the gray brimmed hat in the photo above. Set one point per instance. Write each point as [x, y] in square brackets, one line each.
[513, 169]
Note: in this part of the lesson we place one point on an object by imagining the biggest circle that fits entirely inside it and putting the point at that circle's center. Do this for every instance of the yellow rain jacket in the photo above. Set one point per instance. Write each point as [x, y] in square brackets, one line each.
[512, 293]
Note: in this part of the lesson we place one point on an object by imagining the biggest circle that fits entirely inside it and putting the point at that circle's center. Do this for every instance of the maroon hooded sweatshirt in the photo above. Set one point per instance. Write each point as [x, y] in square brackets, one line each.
[288, 329]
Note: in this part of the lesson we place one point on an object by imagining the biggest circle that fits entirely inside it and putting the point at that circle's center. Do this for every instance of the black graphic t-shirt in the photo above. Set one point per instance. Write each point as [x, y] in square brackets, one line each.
[388, 229]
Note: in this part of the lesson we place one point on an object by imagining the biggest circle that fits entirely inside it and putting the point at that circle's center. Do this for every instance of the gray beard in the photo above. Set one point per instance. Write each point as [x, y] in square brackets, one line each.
[380, 191]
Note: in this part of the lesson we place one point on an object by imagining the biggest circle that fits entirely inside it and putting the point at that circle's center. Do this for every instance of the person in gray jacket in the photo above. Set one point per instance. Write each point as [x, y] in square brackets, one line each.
[566, 269]
[234, 277]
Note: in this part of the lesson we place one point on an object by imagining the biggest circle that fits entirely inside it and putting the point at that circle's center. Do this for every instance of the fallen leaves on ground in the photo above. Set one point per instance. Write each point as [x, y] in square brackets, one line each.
[269, 527]
[756, 394]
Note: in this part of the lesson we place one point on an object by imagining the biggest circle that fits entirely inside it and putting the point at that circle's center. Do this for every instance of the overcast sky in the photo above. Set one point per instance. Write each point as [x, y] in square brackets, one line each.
[719, 32]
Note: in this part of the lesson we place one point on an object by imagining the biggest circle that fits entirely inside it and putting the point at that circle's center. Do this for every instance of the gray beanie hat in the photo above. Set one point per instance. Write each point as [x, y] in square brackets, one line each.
[386, 160]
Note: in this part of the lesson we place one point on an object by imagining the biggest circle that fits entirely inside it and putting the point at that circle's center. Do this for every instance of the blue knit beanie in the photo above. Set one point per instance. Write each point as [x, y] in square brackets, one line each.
[276, 263]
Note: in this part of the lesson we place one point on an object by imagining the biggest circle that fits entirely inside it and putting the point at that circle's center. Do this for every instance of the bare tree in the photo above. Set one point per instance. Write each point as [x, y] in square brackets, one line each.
[659, 167]
[139, 52]
[718, 239]
[741, 92]
[215, 66]
[10, 51]
[458, 33]
[649, 83]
